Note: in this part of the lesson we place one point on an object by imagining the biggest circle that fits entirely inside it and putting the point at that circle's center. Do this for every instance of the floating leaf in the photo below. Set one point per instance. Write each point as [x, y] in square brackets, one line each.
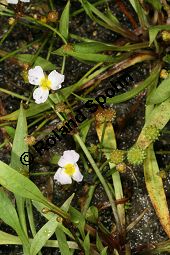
[155, 189]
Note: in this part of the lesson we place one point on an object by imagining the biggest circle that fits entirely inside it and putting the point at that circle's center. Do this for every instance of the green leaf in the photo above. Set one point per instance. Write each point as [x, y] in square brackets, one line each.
[48, 215]
[78, 219]
[19, 184]
[29, 58]
[155, 3]
[43, 235]
[62, 241]
[9, 215]
[99, 244]
[19, 145]
[166, 58]
[18, 148]
[133, 3]
[104, 251]
[65, 207]
[87, 56]
[161, 93]
[155, 189]
[6, 238]
[64, 21]
[10, 131]
[153, 31]
[86, 244]
[129, 94]
[92, 214]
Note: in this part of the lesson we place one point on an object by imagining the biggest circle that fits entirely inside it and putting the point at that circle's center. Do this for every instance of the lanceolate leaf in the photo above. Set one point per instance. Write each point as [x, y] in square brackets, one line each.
[19, 145]
[62, 241]
[9, 215]
[43, 235]
[19, 184]
[64, 21]
[155, 189]
[161, 93]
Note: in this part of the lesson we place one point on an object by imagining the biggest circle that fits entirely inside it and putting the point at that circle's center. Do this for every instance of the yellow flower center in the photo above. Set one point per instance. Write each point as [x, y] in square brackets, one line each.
[69, 169]
[45, 83]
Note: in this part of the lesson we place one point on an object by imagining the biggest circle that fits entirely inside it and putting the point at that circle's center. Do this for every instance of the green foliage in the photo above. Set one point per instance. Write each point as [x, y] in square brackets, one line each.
[64, 21]
[39, 61]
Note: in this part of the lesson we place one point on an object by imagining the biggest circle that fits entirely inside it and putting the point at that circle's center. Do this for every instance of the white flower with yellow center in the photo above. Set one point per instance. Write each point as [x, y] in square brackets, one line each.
[68, 168]
[53, 81]
[16, 1]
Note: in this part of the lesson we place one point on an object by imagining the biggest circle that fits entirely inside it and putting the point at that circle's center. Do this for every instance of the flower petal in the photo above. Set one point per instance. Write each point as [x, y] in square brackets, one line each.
[35, 75]
[56, 79]
[12, 1]
[70, 156]
[61, 177]
[40, 95]
[25, 1]
[77, 176]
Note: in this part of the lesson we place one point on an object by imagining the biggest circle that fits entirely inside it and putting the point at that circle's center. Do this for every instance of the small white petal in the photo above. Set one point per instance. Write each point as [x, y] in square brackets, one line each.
[70, 156]
[56, 79]
[77, 176]
[25, 1]
[61, 177]
[40, 95]
[35, 75]
[12, 1]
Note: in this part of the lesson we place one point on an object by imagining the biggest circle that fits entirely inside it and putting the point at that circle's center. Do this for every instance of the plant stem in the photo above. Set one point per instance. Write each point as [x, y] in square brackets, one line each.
[102, 180]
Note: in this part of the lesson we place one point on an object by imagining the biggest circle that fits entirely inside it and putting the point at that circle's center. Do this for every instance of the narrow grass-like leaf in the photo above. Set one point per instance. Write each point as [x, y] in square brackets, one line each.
[62, 241]
[86, 244]
[19, 147]
[8, 239]
[29, 58]
[155, 189]
[109, 141]
[9, 215]
[64, 21]
[43, 235]
[155, 3]
[161, 93]
[19, 184]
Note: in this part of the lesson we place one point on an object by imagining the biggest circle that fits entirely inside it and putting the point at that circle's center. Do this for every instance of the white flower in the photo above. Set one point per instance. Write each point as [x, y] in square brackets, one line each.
[68, 168]
[53, 81]
[16, 1]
